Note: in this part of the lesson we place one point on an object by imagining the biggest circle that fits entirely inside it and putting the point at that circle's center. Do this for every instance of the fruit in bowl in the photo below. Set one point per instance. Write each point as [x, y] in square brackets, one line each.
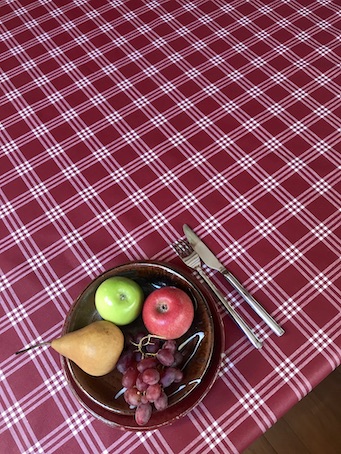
[119, 299]
[168, 312]
[95, 348]
[149, 365]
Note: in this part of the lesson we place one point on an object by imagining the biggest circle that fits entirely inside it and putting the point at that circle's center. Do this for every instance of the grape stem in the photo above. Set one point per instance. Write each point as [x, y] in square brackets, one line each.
[144, 341]
[41, 344]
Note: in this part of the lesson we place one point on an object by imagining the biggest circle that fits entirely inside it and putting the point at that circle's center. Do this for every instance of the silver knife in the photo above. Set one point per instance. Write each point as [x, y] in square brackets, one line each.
[211, 260]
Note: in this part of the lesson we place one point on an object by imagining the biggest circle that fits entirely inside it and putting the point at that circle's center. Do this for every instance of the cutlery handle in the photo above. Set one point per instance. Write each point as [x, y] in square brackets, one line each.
[234, 315]
[265, 316]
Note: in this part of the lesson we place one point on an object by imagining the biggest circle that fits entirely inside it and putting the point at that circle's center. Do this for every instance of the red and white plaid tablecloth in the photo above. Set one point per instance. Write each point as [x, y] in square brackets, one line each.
[122, 120]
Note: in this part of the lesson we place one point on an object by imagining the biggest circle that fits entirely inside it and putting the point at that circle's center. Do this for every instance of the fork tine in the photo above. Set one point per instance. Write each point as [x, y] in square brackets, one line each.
[176, 247]
[181, 247]
[187, 254]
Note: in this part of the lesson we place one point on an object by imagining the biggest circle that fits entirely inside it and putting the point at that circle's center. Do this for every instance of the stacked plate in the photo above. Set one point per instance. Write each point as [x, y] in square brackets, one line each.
[103, 396]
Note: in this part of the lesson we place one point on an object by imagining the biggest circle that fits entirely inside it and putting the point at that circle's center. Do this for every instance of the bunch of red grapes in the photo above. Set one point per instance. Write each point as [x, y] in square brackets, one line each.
[148, 366]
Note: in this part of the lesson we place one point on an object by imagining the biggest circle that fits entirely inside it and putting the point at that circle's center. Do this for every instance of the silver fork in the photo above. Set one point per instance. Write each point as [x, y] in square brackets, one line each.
[192, 260]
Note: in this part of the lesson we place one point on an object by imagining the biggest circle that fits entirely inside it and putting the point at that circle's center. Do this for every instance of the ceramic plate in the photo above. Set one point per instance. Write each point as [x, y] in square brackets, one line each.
[205, 343]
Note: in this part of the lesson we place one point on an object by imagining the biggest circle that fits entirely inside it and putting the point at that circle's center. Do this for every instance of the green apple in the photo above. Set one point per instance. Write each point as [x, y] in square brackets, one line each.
[119, 300]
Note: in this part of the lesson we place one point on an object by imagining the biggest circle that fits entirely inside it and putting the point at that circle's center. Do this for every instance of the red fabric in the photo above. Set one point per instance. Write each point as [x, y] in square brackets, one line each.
[122, 120]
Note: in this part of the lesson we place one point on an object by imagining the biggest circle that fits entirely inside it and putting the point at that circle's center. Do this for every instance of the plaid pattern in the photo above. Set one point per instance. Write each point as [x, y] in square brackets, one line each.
[120, 121]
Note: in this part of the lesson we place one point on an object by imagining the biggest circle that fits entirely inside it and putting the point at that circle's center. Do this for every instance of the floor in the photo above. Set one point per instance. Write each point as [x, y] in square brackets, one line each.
[313, 426]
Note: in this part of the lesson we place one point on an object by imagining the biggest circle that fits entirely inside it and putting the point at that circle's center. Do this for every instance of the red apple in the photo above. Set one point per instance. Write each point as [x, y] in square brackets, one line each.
[168, 312]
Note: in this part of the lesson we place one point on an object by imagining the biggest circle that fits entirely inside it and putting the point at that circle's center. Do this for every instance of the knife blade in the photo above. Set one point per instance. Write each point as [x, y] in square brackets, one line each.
[211, 260]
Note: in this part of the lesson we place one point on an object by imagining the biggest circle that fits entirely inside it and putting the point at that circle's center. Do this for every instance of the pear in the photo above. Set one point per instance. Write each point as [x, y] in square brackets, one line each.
[94, 348]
